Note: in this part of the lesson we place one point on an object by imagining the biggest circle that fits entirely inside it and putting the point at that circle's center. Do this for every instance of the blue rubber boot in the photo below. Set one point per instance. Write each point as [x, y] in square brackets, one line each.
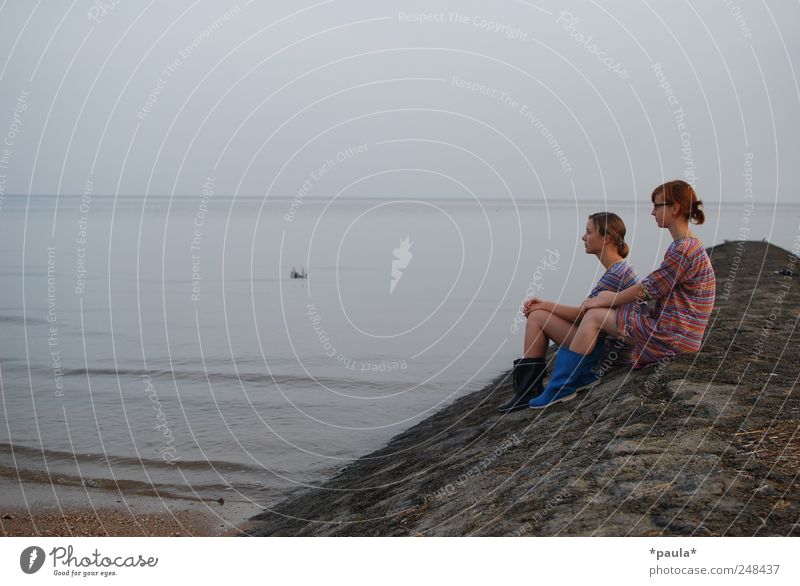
[585, 375]
[571, 371]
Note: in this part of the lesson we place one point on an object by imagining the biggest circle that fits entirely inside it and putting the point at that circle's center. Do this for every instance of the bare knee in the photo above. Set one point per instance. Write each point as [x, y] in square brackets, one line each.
[533, 323]
[540, 316]
[595, 317]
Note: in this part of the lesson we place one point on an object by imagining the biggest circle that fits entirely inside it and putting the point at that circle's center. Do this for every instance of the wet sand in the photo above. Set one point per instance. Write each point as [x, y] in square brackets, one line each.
[36, 509]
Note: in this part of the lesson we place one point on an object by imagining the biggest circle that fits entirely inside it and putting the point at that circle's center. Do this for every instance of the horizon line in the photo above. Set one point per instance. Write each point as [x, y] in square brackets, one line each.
[282, 198]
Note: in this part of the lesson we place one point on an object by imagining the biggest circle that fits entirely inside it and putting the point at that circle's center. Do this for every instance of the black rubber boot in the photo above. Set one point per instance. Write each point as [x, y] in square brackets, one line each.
[527, 376]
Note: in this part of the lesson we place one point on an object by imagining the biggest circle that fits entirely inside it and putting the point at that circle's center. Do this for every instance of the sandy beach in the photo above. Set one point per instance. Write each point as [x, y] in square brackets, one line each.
[36, 509]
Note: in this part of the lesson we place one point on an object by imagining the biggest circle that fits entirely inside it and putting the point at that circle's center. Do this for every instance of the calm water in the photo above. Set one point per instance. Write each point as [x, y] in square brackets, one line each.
[154, 343]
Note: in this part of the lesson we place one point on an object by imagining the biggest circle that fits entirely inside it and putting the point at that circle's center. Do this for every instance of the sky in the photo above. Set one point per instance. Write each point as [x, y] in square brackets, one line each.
[512, 99]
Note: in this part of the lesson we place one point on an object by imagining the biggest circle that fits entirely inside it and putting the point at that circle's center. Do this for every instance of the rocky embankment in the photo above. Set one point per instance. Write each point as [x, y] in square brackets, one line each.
[707, 444]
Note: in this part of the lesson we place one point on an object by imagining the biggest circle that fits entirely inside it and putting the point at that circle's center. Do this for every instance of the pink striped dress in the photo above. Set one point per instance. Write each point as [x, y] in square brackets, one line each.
[683, 288]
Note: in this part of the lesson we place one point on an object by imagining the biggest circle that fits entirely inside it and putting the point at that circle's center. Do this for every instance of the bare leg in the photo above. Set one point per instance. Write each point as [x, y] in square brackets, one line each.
[594, 321]
[542, 327]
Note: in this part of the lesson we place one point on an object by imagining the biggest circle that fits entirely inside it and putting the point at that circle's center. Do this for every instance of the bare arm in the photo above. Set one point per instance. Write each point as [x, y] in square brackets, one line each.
[610, 299]
[567, 312]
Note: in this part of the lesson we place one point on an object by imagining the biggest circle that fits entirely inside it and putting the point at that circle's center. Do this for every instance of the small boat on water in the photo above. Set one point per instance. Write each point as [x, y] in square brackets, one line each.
[302, 274]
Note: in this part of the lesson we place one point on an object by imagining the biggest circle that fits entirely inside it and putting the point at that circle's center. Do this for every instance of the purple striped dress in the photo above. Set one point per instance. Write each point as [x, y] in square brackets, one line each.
[683, 288]
[618, 277]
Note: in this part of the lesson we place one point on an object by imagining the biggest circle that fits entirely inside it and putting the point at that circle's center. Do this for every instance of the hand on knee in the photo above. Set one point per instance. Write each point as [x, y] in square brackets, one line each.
[539, 315]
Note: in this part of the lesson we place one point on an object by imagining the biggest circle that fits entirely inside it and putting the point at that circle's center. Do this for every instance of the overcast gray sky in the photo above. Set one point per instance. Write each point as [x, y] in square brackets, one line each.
[497, 99]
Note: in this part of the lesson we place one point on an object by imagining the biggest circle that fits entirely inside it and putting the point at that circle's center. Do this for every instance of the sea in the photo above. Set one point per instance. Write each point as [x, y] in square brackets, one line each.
[162, 345]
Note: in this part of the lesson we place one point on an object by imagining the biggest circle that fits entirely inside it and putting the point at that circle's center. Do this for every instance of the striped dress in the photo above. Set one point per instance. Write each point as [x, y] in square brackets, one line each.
[619, 276]
[683, 288]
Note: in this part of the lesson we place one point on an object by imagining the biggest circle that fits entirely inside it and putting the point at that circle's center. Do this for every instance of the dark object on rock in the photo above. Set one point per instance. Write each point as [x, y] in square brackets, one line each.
[527, 375]
[786, 273]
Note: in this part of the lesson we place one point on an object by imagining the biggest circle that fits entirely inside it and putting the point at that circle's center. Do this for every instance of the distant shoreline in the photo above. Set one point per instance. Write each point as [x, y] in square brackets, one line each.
[520, 201]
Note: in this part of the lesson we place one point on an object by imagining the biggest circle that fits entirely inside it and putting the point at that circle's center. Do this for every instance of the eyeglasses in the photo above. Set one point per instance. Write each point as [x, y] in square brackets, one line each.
[666, 203]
